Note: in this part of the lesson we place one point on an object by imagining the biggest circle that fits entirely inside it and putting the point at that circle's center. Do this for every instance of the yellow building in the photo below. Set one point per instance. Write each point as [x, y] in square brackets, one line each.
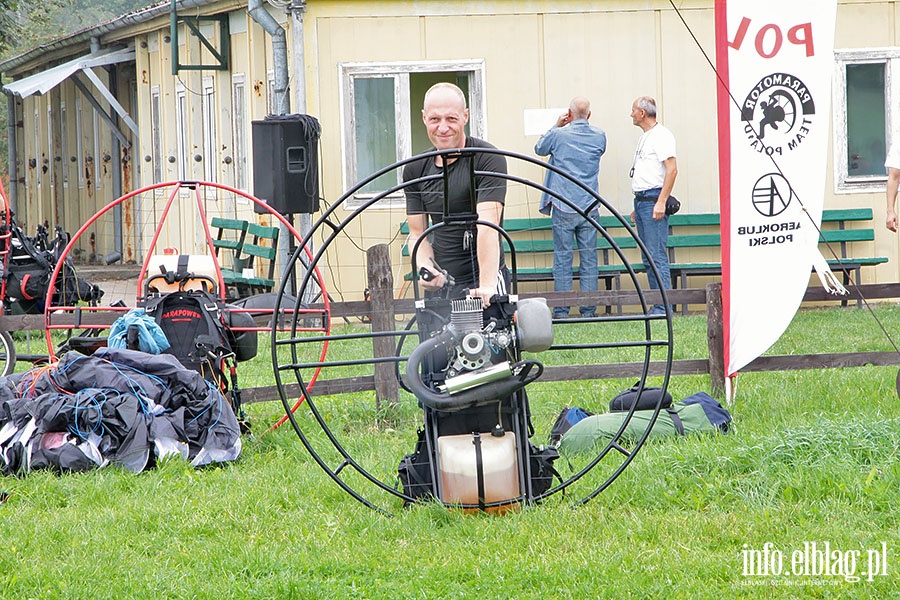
[162, 95]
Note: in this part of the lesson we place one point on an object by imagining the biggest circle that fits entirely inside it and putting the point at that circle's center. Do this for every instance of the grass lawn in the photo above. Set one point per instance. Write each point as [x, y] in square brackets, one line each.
[811, 460]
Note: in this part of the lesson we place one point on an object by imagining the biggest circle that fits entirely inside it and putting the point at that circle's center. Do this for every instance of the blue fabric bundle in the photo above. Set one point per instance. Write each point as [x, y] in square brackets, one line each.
[150, 336]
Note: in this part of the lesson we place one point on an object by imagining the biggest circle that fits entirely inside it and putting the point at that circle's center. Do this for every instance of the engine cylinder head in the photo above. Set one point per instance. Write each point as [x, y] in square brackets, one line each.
[466, 314]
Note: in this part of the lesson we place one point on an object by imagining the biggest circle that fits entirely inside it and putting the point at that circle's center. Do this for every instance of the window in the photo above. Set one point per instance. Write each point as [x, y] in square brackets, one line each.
[181, 124]
[64, 142]
[375, 136]
[381, 118]
[864, 93]
[210, 151]
[156, 135]
[239, 126]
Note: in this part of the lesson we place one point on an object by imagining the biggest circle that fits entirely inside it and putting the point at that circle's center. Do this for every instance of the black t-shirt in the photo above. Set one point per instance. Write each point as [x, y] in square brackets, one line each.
[454, 245]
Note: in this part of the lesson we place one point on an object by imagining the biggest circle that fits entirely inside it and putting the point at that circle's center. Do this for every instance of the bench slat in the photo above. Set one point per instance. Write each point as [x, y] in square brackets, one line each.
[847, 235]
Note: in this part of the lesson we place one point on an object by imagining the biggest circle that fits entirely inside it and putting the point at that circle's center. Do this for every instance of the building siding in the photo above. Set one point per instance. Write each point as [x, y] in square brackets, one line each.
[536, 55]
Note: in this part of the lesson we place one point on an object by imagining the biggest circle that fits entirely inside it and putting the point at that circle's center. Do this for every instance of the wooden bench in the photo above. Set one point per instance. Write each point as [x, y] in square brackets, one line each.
[686, 231]
[518, 229]
[241, 246]
[834, 233]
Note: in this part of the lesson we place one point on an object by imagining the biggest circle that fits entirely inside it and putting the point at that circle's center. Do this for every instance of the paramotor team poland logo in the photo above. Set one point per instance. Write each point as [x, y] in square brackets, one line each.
[778, 114]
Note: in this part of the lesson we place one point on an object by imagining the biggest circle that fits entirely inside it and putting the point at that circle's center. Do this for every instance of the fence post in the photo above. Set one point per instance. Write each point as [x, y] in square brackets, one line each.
[715, 339]
[380, 280]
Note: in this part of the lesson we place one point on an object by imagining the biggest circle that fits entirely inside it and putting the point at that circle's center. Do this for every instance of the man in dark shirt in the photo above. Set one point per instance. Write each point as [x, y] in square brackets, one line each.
[473, 258]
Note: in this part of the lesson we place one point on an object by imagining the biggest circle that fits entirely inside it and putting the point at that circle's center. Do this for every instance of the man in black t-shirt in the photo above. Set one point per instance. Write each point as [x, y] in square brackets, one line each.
[473, 258]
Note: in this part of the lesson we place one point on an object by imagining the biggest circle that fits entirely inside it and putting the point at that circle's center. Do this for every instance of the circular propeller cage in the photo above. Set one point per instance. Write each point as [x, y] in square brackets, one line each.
[358, 435]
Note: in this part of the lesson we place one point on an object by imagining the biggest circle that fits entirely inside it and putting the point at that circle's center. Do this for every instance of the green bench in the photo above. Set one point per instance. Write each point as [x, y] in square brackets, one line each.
[686, 232]
[241, 245]
[610, 273]
[834, 232]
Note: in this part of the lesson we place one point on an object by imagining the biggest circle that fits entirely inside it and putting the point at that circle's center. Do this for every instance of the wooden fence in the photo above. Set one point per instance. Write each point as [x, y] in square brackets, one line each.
[386, 308]
[712, 365]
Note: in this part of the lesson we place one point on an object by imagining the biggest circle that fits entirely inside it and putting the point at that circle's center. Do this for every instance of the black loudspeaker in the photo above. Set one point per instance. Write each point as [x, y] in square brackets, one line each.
[286, 163]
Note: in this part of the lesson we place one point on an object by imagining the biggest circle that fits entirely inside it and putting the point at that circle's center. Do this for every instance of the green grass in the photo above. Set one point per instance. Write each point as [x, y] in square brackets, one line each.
[812, 458]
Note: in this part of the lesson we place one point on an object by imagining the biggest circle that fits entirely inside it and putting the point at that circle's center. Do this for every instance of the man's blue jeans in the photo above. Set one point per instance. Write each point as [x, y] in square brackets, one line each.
[570, 229]
[655, 235]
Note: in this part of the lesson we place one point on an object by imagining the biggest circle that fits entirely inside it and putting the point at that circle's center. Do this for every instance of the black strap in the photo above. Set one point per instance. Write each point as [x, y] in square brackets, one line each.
[181, 271]
[676, 421]
[479, 468]
[556, 474]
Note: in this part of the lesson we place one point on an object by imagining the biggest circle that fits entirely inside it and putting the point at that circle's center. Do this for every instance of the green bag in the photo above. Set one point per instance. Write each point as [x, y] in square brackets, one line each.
[697, 413]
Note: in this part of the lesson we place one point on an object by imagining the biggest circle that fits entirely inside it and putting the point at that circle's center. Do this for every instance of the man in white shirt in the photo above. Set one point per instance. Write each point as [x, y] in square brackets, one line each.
[653, 176]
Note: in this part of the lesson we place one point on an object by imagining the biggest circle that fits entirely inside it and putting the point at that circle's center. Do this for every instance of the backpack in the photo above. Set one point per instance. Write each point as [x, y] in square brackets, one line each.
[542, 470]
[193, 323]
[564, 422]
[649, 398]
[31, 263]
[698, 413]
[414, 471]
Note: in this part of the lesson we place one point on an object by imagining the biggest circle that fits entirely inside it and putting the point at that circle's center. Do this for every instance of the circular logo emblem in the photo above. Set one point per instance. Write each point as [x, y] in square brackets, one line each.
[772, 194]
[778, 111]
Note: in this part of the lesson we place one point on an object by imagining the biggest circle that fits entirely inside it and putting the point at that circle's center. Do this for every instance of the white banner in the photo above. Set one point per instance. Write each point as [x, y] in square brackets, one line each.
[774, 117]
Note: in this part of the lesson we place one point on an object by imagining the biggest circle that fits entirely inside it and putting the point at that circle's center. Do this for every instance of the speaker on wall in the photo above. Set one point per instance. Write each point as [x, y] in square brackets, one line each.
[286, 162]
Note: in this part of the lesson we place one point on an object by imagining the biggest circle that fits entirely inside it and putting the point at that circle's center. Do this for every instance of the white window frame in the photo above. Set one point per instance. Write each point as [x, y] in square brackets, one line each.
[890, 57]
[400, 72]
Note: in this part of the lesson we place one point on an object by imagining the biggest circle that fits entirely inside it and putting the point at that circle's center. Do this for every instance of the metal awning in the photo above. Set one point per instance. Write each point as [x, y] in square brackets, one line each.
[43, 82]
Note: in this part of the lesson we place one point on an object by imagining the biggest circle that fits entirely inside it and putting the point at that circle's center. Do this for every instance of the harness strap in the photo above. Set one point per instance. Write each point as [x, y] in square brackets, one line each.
[181, 270]
[479, 469]
[676, 420]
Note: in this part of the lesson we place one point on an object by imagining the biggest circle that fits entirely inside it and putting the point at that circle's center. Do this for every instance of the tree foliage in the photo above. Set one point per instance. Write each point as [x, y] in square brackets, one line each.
[7, 24]
[26, 25]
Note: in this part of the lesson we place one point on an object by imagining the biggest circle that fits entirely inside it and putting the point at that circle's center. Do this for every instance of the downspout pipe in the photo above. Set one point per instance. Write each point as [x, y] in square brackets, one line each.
[297, 8]
[12, 191]
[282, 104]
[279, 51]
[298, 89]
